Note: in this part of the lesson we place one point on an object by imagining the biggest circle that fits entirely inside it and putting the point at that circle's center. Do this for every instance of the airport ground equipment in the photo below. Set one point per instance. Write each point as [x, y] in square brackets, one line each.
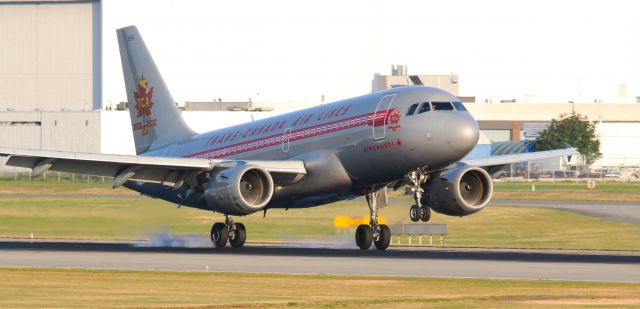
[419, 230]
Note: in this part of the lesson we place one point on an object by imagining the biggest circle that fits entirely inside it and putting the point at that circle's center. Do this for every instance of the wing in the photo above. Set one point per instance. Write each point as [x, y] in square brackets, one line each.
[519, 157]
[164, 170]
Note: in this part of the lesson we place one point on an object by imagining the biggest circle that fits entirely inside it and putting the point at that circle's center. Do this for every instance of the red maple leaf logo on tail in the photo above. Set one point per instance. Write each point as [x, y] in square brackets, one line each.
[143, 98]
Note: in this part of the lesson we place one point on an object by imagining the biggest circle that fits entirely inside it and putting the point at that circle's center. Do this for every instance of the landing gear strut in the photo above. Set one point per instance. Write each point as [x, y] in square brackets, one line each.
[229, 231]
[379, 234]
[418, 212]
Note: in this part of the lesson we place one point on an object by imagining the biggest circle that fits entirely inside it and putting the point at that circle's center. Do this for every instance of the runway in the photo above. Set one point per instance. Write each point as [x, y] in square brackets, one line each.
[290, 259]
[627, 212]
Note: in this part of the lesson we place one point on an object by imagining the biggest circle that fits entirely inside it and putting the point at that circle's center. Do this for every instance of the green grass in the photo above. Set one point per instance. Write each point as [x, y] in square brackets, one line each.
[530, 227]
[568, 186]
[80, 182]
[64, 288]
[133, 218]
[610, 191]
[84, 217]
[604, 191]
[52, 186]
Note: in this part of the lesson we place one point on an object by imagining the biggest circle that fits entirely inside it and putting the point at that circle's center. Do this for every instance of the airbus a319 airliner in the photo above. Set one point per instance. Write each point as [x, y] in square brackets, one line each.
[342, 150]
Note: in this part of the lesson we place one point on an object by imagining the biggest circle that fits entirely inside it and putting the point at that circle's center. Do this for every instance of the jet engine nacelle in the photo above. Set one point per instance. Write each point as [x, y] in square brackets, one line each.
[460, 191]
[239, 190]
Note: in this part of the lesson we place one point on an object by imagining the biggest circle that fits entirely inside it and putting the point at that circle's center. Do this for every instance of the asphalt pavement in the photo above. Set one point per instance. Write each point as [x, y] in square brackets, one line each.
[291, 259]
[627, 212]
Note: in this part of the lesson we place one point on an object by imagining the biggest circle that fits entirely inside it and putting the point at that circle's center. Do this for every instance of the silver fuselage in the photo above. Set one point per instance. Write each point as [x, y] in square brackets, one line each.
[371, 136]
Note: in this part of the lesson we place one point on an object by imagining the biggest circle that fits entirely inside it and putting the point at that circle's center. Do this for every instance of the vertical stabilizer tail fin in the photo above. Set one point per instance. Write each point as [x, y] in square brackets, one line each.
[155, 119]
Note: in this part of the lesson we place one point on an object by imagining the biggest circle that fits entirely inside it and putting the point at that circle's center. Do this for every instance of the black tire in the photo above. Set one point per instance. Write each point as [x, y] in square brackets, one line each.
[219, 235]
[425, 214]
[385, 238]
[364, 236]
[414, 213]
[237, 241]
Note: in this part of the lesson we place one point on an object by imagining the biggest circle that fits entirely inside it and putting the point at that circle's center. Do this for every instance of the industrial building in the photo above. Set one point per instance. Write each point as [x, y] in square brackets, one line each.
[51, 97]
[51, 55]
[399, 78]
[50, 74]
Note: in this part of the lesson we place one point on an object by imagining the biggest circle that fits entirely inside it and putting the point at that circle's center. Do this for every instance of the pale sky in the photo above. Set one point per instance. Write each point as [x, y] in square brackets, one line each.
[295, 51]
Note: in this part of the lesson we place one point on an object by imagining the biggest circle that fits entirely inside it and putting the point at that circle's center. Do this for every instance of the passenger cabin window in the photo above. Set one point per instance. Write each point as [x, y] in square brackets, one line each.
[459, 106]
[412, 109]
[442, 106]
[425, 107]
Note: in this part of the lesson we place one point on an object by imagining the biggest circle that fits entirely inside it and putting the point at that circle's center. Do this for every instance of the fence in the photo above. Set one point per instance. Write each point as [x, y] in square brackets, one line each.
[17, 175]
[532, 171]
[517, 172]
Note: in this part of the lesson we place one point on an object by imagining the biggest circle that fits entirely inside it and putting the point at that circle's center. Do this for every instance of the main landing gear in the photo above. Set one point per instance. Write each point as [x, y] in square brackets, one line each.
[379, 234]
[229, 231]
[418, 212]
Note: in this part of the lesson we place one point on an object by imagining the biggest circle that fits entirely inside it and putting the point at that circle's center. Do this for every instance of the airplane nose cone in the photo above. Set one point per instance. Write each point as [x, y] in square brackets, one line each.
[462, 133]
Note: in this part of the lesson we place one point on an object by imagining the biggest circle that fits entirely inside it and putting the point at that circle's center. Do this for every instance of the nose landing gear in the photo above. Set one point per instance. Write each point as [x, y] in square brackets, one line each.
[229, 231]
[378, 234]
[418, 212]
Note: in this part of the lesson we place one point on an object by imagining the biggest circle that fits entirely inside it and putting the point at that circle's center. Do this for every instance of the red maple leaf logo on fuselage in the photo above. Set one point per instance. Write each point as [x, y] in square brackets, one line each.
[394, 118]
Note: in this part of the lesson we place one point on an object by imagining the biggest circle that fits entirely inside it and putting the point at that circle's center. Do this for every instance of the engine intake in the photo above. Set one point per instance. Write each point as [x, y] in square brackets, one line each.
[240, 190]
[458, 192]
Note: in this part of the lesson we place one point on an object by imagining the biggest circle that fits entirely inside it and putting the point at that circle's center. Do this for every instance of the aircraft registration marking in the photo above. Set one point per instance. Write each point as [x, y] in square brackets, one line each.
[383, 146]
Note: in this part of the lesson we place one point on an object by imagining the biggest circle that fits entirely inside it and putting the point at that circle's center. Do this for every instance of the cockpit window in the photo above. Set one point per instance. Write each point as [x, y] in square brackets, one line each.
[412, 109]
[442, 106]
[459, 106]
[425, 107]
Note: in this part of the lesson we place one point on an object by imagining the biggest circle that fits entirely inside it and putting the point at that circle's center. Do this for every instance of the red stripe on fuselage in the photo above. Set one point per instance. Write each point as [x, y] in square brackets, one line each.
[376, 119]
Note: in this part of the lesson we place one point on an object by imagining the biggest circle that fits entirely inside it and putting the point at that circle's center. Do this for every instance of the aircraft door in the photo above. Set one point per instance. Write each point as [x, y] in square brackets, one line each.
[380, 116]
[285, 140]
